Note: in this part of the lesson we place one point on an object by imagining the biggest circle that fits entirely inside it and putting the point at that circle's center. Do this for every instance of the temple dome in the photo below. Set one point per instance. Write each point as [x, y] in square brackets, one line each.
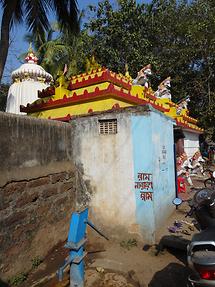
[28, 79]
[31, 71]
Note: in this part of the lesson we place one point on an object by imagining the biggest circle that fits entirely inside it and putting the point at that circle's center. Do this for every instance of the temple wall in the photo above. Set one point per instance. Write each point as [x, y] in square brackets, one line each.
[107, 162]
[38, 189]
[152, 138]
[191, 143]
[164, 170]
[112, 162]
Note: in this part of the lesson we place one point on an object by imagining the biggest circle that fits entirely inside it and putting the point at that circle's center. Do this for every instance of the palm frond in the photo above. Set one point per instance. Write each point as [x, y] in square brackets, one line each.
[18, 12]
[22, 57]
[36, 14]
[28, 38]
[15, 9]
[55, 26]
[67, 14]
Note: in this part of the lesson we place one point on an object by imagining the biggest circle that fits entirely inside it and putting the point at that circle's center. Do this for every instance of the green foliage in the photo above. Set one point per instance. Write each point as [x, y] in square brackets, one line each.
[128, 244]
[56, 51]
[176, 36]
[120, 36]
[36, 261]
[18, 279]
[35, 14]
[21, 277]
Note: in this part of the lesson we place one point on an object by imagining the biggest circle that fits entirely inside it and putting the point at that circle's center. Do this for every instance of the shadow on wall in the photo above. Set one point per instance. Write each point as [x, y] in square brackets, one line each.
[173, 275]
[3, 284]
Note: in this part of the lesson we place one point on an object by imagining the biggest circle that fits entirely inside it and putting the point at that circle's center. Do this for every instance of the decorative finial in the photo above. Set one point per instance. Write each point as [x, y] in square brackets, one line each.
[91, 64]
[30, 49]
[31, 57]
[127, 75]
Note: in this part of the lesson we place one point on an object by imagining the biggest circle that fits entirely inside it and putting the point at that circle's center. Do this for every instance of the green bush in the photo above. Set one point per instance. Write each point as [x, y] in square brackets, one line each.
[18, 279]
[36, 261]
[128, 244]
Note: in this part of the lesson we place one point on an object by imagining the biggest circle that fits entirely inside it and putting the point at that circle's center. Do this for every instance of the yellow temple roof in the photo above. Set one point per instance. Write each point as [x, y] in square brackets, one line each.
[99, 90]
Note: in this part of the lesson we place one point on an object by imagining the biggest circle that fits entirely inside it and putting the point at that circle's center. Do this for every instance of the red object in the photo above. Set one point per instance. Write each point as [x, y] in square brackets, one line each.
[207, 274]
[106, 76]
[110, 91]
[181, 184]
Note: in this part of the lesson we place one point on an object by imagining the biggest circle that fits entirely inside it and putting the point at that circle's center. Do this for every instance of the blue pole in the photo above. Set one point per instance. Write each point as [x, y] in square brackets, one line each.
[76, 236]
[75, 242]
[175, 167]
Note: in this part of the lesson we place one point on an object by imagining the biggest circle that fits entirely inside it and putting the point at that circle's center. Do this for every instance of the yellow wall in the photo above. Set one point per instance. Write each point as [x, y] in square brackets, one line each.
[77, 109]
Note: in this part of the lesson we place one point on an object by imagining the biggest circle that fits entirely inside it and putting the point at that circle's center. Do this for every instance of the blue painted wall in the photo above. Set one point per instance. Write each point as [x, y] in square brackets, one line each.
[152, 139]
[163, 163]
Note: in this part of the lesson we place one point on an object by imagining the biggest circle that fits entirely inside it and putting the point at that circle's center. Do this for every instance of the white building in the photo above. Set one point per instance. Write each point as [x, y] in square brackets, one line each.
[191, 142]
[27, 81]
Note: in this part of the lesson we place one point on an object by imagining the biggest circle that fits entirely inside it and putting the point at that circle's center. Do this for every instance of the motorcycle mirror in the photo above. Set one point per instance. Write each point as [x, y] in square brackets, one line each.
[177, 201]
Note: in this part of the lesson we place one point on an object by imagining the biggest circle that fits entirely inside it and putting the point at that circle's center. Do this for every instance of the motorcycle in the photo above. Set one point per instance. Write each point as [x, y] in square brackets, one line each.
[210, 181]
[201, 249]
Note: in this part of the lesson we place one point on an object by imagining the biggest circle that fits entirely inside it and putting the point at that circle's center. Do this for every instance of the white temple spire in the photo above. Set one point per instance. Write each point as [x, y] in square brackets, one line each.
[27, 81]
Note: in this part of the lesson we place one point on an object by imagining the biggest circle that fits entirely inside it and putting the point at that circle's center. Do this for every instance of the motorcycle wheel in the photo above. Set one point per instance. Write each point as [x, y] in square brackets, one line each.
[209, 183]
[189, 284]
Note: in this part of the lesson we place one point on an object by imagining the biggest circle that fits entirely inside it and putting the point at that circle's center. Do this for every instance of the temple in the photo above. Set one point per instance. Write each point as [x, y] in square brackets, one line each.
[27, 80]
[100, 89]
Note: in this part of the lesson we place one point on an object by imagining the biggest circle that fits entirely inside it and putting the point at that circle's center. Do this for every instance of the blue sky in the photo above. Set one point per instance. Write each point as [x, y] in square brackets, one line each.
[19, 46]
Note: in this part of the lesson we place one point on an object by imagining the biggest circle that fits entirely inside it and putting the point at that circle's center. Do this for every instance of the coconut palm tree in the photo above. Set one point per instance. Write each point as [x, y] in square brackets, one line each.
[35, 15]
[54, 49]
[54, 53]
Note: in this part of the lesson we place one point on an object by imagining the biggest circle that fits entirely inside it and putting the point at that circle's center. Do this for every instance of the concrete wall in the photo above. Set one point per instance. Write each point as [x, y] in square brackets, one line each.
[143, 144]
[191, 142]
[29, 145]
[164, 170]
[39, 188]
[153, 154]
[107, 162]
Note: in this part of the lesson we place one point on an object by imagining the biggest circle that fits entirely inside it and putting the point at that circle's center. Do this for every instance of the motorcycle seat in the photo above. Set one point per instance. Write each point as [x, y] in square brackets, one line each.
[205, 235]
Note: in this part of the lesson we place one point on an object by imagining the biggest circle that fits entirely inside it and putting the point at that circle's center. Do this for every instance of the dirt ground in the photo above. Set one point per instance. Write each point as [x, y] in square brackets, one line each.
[126, 264]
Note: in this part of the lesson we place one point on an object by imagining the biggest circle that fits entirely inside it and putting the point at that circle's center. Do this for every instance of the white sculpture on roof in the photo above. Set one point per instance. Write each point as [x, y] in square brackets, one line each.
[182, 107]
[163, 91]
[142, 78]
[27, 81]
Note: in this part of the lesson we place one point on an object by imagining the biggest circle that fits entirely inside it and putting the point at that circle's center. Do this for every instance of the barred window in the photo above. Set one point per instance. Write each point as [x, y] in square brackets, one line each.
[108, 126]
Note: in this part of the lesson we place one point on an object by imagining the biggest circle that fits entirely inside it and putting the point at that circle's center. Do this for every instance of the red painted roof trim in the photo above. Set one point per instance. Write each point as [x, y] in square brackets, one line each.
[189, 119]
[87, 74]
[150, 96]
[48, 92]
[171, 104]
[106, 76]
[188, 127]
[62, 119]
[86, 96]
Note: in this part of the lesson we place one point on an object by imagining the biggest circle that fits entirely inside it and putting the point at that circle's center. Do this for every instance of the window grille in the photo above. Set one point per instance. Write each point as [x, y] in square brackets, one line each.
[108, 126]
